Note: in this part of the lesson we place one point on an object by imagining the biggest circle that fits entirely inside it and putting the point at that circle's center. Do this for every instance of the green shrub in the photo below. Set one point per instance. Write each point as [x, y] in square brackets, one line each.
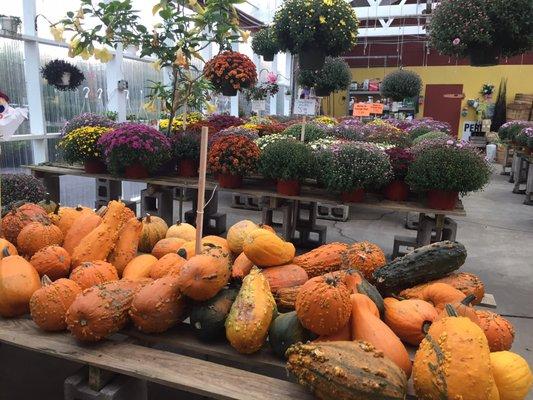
[430, 136]
[312, 132]
[401, 84]
[286, 160]
[335, 75]
[265, 42]
[187, 146]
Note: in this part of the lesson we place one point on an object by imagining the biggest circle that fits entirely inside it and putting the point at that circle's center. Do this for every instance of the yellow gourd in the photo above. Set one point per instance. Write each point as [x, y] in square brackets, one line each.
[512, 375]
[266, 249]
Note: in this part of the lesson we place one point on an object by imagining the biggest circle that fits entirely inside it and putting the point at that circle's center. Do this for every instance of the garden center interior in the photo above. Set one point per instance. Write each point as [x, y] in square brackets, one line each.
[266, 199]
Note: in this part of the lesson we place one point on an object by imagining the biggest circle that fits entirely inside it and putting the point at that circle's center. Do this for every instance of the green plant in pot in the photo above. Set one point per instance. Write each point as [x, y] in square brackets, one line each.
[312, 132]
[483, 30]
[187, 152]
[431, 136]
[81, 146]
[334, 75]
[265, 43]
[444, 169]
[315, 29]
[401, 84]
[400, 159]
[352, 168]
[509, 131]
[288, 162]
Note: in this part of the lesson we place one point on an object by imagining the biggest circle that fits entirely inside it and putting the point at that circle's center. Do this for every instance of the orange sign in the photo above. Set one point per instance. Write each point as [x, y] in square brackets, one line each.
[361, 109]
[376, 108]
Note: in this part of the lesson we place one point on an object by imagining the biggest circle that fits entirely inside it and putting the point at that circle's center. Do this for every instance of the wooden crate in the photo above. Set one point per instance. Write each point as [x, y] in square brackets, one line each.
[518, 112]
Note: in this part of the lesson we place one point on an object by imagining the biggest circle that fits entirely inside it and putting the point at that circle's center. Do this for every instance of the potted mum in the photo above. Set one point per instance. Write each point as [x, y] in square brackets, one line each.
[334, 75]
[187, 152]
[231, 158]
[352, 168]
[81, 146]
[287, 162]
[379, 131]
[265, 43]
[230, 71]
[401, 84]
[466, 171]
[509, 131]
[482, 30]
[421, 126]
[400, 159]
[315, 29]
[223, 121]
[86, 119]
[134, 150]
[312, 132]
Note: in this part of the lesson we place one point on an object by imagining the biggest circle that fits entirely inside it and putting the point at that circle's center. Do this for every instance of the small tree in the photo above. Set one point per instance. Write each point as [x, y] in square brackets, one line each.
[400, 84]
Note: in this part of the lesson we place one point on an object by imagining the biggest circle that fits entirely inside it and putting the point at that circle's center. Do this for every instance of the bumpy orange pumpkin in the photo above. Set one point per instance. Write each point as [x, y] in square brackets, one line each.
[188, 249]
[438, 294]
[18, 281]
[18, 218]
[126, 245]
[323, 305]
[365, 257]
[66, 216]
[88, 274]
[52, 261]
[127, 214]
[169, 264]
[326, 258]
[463, 309]
[285, 276]
[238, 233]
[139, 267]
[167, 245]
[49, 304]
[241, 267]
[79, 229]
[35, 236]
[11, 249]
[202, 276]
[266, 249]
[182, 230]
[154, 229]
[157, 306]
[499, 331]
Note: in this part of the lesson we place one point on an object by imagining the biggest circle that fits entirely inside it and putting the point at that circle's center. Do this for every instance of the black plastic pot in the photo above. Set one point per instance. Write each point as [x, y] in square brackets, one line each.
[269, 57]
[229, 90]
[484, 56]
[312, 58]
[321, 92]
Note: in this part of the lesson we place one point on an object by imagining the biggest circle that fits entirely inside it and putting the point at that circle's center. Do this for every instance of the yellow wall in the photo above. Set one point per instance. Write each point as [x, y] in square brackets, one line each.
[519, 80]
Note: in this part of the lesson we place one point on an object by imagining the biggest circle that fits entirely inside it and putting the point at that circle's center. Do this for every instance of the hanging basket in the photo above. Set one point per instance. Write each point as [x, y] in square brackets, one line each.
[62, 75]
[484, 56]
[227, 89]
[269, 57]
[312, 58]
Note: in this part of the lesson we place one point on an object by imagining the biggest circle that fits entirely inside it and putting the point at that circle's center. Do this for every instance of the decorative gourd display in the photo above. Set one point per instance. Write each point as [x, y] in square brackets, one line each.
[202, 276]
[100, 241]
[323, 259]
[154, 229]
[127, 214]
[463, 309]
[188, 249]
[286, 330]
[499, 331]
[52, 261]
[100, 310]
[439, 294]
[238, 233]
[241, 267]
[367, 326]
[208, 318]
[182, 230]
[49, 304]
[463, 281]
[18, 218]
[158, 305]
[323, 305]
[422, 265]
[139, 267]
[35, 236]
[166, 246]
[18, 281]
[354, 281]
[266, 249]
[345, 333]
[409, 319]
[453, 362]
[11, 249]
[169, 264]
[80, 228]
[512, 375]
[48, 204]
[251, 314]
[285, 276]
[126, 245]
[65, 217]
[363, 256]
[346, 370]
[286, 298]
[89, 274]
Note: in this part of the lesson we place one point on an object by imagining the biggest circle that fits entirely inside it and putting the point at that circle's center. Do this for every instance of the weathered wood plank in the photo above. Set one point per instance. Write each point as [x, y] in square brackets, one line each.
[169, 369]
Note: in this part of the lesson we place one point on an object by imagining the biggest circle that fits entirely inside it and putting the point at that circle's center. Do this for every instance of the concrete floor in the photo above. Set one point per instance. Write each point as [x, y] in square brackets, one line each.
[497, 232]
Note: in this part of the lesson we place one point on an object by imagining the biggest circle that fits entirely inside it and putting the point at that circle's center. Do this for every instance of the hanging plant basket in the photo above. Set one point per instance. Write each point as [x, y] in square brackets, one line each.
[484, 56]
[269, 57]
[312, 58]
[62, 75]
[227, 89]
[230, 71]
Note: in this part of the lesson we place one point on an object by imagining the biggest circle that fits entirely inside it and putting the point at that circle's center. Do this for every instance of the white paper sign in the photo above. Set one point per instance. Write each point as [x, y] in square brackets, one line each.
[258, 105]
[469, 128]
[305, 107]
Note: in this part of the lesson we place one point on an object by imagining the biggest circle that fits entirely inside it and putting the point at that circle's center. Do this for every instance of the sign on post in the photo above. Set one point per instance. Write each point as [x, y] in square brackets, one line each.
[376, 108]
[258, 105]
[362, 109]
[305, 107]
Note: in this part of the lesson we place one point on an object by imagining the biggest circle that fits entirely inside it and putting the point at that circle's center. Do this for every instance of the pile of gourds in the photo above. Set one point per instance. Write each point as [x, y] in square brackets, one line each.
[348, 314]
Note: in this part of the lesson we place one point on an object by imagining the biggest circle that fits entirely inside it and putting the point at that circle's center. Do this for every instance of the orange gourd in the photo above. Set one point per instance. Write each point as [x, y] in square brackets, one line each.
[324, 259]
[35, 236]
[18, 281]
[238, 233]
[127, 214]
[365, 257]
[409, 319]
[188, 249]
[154, 229]
[79, 229]
[241, 267]
[167, 245]
[323, 305]
[345, 333]
[169, 264]
[89, 274]
[202, 276]
[126, 245]
[463, 309]
[499, 331]
[18, 218]
[157, 306]
[66, 216]
[367, 326]
[350, 277]
[52, 261]
[266, 249]
[182, 230]
[11, 249]
[439, 294]
[139, 267]
[49, 304]
[285, 276]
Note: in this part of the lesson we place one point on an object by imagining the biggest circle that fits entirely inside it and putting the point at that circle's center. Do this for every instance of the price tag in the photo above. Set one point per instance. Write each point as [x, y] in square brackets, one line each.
[305, 107]
[362, 109]
[258, 105]
[376, 108]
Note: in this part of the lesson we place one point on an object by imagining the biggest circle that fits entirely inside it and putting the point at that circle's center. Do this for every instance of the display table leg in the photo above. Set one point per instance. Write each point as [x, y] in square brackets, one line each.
[529, 186]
